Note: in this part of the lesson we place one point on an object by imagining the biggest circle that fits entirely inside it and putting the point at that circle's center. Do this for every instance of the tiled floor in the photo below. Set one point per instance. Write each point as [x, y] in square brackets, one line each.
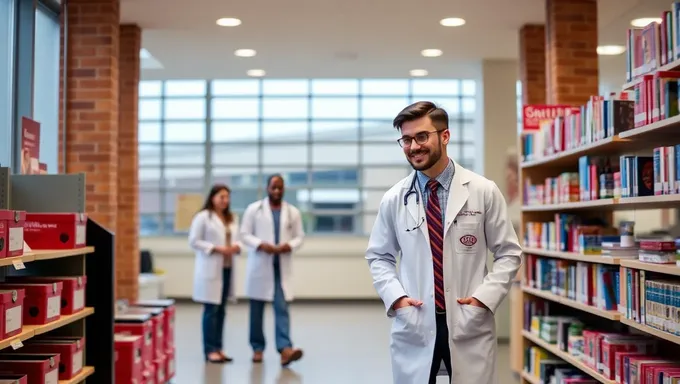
[343, 344]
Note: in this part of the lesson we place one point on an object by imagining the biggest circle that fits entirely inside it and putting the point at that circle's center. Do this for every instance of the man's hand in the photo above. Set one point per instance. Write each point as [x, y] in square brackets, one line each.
[283, 248]
[222, 250]
[405, 302]
[267, 248]
[472, 301]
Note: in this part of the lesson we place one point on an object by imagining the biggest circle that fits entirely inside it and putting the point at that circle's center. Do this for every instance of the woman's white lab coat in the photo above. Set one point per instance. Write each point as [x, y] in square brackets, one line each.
[476, 220]
[257, 228]
[207, 232]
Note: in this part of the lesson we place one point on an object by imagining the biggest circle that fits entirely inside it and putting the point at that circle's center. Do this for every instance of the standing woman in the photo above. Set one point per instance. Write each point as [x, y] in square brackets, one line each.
[214, 236]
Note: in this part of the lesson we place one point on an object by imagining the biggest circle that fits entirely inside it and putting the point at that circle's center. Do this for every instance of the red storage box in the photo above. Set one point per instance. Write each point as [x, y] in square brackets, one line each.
[149, 375]
[55, 230]
[170, 365]
[42, 302]
[12, 233]
[70, 350]
[40, 368]
[11, 312]
[13, 379]
[168, 306]
[128, 352]
[157, 317]
[138, 325]
[160, 365]
[72, 294]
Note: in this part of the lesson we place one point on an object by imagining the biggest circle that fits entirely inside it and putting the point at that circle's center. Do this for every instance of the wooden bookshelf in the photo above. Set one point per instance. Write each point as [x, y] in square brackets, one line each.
[611, 315]
[66, 193]
[572, 256]
[642, 139]
[84, 374]
[566, 357]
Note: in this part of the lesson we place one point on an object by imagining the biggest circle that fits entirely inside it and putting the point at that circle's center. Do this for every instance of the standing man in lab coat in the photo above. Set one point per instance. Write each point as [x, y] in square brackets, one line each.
[440, 221]
[272, 231]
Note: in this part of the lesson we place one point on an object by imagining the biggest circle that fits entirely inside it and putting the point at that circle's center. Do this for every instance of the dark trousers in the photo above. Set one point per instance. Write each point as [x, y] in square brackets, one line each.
[441, 349]
[281, 318]
[213, 318]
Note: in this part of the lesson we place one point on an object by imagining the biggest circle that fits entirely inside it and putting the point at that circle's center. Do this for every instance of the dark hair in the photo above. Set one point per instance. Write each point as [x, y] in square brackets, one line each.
[419, 109]
[272, 177]
[208, 205]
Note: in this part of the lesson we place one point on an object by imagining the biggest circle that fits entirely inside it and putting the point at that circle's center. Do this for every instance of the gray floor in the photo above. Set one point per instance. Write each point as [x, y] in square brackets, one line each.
[343, 344]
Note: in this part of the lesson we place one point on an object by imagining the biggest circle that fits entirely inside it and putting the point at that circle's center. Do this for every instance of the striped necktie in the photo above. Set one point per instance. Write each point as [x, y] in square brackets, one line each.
[436, 231]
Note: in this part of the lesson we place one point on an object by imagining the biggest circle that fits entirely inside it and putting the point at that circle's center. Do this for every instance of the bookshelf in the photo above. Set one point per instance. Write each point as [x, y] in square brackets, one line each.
[56, 194]
[575, 303]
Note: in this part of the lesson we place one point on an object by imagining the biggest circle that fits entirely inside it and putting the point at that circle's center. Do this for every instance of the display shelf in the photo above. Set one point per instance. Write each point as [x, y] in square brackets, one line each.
[573, 256]
[668, 269]
[673, 65]
[566, 357]
[42, 254]
[611, 315]
[66, 193]
[651, 331]
[530, 378]
[30, 331]
[667, 127]
[84, 374]
[609, 145]
[622, 204]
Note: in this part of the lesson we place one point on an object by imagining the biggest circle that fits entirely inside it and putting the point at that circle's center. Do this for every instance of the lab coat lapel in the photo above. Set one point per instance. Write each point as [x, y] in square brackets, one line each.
[269, 220]
[458, 195]
[417, 211]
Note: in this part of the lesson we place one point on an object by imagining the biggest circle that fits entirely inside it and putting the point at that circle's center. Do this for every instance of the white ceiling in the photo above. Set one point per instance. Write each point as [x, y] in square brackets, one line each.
[352, 38]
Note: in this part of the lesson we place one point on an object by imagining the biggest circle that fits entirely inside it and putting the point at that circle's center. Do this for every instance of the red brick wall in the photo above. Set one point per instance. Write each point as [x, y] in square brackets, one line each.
[571, 51]
[127, 229]
[532, 63]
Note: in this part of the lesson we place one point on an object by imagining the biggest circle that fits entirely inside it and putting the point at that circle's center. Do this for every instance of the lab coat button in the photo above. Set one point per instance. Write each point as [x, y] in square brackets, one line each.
[448, 289]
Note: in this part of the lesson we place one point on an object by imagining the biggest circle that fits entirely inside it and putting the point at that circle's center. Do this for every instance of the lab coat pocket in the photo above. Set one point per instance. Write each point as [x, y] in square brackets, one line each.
[466, 237]
[209, 267]
[406, 326]
[473, 322]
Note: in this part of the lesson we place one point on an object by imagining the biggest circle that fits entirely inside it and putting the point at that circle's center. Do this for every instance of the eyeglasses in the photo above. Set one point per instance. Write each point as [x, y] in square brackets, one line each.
[420, 138]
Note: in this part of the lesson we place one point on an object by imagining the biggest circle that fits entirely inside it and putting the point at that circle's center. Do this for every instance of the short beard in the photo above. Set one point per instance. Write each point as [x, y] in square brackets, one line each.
[435, 156]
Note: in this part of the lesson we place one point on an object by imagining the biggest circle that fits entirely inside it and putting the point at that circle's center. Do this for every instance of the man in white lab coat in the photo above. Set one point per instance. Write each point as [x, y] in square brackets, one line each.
[272, 231]
[439, 222]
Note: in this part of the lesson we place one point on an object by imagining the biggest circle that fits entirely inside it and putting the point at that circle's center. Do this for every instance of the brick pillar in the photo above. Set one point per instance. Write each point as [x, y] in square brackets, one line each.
[91, 121]
[571, 51]
[127, 229]
[532, 63]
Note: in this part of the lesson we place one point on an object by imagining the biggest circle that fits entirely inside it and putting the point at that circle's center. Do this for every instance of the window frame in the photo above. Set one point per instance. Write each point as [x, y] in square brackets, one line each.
[309, 175]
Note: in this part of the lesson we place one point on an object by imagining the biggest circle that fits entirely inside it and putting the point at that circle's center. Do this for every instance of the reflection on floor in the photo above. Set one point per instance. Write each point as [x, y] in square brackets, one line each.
[343, 344]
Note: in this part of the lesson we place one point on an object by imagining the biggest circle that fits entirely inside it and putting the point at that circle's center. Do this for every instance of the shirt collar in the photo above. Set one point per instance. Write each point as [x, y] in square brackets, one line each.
[443, 178]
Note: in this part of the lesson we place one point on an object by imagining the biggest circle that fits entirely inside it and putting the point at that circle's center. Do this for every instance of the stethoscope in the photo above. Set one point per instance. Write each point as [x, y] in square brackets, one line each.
[289, 222]
[414, 190]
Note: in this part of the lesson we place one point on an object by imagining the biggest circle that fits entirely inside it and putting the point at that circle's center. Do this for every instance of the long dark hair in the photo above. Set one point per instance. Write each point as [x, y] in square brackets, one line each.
[208, 205]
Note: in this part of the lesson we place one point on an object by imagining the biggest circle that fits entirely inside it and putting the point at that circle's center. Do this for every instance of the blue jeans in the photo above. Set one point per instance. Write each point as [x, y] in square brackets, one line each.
[213, 318]
[281, 318]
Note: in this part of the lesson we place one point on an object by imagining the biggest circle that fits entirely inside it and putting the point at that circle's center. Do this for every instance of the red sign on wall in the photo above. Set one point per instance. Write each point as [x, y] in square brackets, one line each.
[532, 115]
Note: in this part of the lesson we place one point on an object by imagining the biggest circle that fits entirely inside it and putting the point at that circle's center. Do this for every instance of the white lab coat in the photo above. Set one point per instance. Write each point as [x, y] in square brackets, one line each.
[207, 232]
[258, 227]
[476, 208]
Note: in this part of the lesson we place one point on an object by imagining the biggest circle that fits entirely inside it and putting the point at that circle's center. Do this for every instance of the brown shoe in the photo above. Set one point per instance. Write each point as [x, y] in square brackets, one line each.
[257, 356]
[289, 355]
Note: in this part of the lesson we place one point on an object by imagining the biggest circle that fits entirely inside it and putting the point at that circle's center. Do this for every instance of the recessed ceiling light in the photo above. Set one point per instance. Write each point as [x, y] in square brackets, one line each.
[228, 22]
[431, 52]
[418, 72]
[452, 22]
[245, 52]
[256, 72]
[645, 21]
[610, 50]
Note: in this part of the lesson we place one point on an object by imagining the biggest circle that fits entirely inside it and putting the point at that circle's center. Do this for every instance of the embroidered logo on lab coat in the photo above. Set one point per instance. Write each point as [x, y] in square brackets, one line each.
[468, 240]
